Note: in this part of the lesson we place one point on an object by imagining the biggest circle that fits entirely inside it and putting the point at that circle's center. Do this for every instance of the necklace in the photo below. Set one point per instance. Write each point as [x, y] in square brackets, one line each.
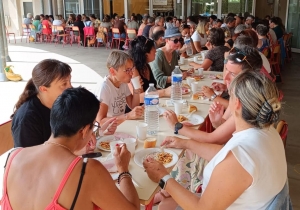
[59, 145]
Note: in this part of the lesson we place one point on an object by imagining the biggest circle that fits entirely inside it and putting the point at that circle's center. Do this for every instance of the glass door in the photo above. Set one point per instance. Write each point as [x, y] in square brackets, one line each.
[293, 23]
[71, 7]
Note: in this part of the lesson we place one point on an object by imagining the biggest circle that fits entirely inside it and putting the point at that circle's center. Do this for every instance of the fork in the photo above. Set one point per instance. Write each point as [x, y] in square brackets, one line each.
[190, 114]
[162, 149]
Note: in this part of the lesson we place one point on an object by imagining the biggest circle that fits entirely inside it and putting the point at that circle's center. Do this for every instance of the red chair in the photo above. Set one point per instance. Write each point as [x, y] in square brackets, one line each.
[116, 31]
[130, 35]
[282, 128]
[89, 33]
[105, 30]
[287, 38]
[60, 32]
[8, 34]
[76, 35]
[25, 32]
[275, 60]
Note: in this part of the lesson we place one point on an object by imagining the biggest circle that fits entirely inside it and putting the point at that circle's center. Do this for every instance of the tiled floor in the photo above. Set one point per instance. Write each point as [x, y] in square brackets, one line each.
[86, 61]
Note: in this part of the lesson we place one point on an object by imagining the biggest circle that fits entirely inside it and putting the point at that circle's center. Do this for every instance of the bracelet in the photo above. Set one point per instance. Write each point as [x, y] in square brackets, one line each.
[125, 173]
[124, 176]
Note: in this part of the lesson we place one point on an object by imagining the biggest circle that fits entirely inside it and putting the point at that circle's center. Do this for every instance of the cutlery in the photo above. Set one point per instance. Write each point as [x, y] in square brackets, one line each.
[190, 114]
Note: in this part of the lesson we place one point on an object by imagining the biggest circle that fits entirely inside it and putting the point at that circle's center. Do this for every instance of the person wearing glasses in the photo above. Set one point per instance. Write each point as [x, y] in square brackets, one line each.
[166, 58]
[190, 165]
[142, 51]
[31, 117]
[250, 170]
[114, 92]
[52, 176]
[214, 58]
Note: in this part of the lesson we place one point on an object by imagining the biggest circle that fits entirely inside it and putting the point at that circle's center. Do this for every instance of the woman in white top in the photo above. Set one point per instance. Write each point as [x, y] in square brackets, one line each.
[115, 94]
[199, 37]
[250, 170]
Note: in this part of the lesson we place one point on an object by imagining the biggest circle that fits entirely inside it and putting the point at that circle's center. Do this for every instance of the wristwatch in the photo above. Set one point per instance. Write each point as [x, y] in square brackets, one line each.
[213, 97]
[163, 181]
[178, 126]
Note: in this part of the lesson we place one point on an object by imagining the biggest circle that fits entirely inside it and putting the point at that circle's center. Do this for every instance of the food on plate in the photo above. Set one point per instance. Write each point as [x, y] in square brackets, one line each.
[181, 118]
[192, 108]
[219, 76]
[150, 142]
[186, 86]
[162, 157]
[104, 145]
[197, 77]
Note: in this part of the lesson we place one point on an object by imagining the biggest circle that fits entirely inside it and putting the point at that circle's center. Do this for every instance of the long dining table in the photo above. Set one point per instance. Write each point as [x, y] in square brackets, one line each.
[146, 188]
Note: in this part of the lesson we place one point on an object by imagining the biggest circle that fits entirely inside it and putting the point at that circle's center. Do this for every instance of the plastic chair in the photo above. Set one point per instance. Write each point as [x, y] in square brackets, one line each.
[25, 32]
[275, 59]
[131, 32]
[116, 31]
[37, 34]
[88, 32]
[76, 36]
[46, 35]
[8, 34]
[287, 38]
[266, 52]
[60, 32]
[105, 30]
[6, 138]
[282, 128]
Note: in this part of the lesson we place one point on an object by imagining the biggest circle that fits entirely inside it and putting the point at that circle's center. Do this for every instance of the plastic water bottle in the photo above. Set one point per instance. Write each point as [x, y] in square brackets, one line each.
[176, 93]
[151, 101]
[189, 49]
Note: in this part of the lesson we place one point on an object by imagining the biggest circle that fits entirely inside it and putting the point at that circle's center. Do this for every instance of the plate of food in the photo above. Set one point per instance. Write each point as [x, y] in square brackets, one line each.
[168, 157]
[103, 142]
[193, 119]
[185, 89]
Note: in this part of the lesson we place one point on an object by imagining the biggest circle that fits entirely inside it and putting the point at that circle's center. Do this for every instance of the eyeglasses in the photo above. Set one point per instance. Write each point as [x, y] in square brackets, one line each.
[239, 56]
[177, 40]
[128, 70]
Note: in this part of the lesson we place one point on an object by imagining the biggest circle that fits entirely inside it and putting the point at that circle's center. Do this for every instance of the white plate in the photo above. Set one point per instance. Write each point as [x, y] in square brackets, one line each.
[187, 92]
[142, 154]
[195, 119]
[105, 138]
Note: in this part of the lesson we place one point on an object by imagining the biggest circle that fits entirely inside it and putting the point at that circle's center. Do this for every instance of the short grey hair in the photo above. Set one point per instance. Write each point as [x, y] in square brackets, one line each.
[116, 59]
[29, 15]
[240, 28]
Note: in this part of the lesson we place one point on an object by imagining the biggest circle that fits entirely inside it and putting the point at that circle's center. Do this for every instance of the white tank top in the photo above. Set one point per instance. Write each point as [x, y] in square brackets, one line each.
[262, 155]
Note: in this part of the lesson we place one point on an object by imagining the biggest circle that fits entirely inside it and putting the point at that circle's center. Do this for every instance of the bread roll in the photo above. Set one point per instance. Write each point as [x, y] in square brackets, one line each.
[150, 142]
[192, 108]
[196, 96]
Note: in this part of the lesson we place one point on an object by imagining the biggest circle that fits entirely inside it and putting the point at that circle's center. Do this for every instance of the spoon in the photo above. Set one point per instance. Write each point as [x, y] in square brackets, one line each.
[190, 114]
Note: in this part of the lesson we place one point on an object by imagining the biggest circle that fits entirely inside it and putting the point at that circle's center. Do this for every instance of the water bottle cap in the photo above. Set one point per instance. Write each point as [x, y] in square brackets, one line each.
[151, 84]
[201, 69]
[176, 66]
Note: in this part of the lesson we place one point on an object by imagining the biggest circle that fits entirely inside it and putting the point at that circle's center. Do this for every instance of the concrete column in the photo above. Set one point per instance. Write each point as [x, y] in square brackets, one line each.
[42, 7]
[182, 9]
[50, 6]
[126, 9]
[60, 7]
[188, 8]
[246, 6]
[150, 8]
[4, 32]
[219, 9]
[276, 8]
[2, 51]
[101, 9]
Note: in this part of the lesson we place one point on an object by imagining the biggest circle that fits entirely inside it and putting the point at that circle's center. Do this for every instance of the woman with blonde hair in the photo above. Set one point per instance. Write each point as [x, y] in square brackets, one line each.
[199, 37]
[236, 177]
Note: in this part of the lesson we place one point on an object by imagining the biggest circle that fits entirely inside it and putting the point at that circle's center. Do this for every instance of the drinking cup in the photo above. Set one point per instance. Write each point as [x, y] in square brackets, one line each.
[190, 80]
[178, 107]
[130, 144]
[136, 82]
[113, 145]
[141, 131]
[194, 87]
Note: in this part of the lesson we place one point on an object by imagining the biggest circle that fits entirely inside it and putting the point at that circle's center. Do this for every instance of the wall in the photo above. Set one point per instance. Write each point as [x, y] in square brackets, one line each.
[263, 8]
[12, 9]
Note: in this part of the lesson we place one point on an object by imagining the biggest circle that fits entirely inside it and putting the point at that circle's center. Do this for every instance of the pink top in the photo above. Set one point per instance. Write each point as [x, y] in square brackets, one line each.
[48, 29]
[54, 205]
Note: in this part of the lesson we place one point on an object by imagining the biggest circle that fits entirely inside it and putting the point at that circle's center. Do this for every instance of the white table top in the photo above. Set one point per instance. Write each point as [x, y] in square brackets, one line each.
[147, 187]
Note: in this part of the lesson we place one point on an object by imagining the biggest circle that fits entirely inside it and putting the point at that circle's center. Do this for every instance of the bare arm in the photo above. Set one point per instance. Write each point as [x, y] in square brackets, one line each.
[102, 115]
[104, 192]
[219, 194]
[205, 65]
[197, 46]
[133, 100]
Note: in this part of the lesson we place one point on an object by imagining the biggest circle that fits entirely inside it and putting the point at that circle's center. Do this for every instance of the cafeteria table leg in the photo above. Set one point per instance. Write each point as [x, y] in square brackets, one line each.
[149, 206]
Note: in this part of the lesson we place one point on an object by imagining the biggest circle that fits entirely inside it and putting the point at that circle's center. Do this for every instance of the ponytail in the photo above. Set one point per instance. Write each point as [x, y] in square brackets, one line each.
[29, 91]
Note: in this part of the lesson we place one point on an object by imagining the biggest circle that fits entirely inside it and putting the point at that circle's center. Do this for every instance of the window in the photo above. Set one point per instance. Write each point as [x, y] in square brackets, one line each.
[71, 7]
[92, 7]
[204, 7]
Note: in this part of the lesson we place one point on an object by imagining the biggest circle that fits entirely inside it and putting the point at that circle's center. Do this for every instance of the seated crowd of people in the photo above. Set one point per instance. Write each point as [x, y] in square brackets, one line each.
[240, 165]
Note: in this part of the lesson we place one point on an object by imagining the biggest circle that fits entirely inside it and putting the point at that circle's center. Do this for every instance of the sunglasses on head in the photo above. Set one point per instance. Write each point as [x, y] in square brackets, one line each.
[177, 40]
[238, 55]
